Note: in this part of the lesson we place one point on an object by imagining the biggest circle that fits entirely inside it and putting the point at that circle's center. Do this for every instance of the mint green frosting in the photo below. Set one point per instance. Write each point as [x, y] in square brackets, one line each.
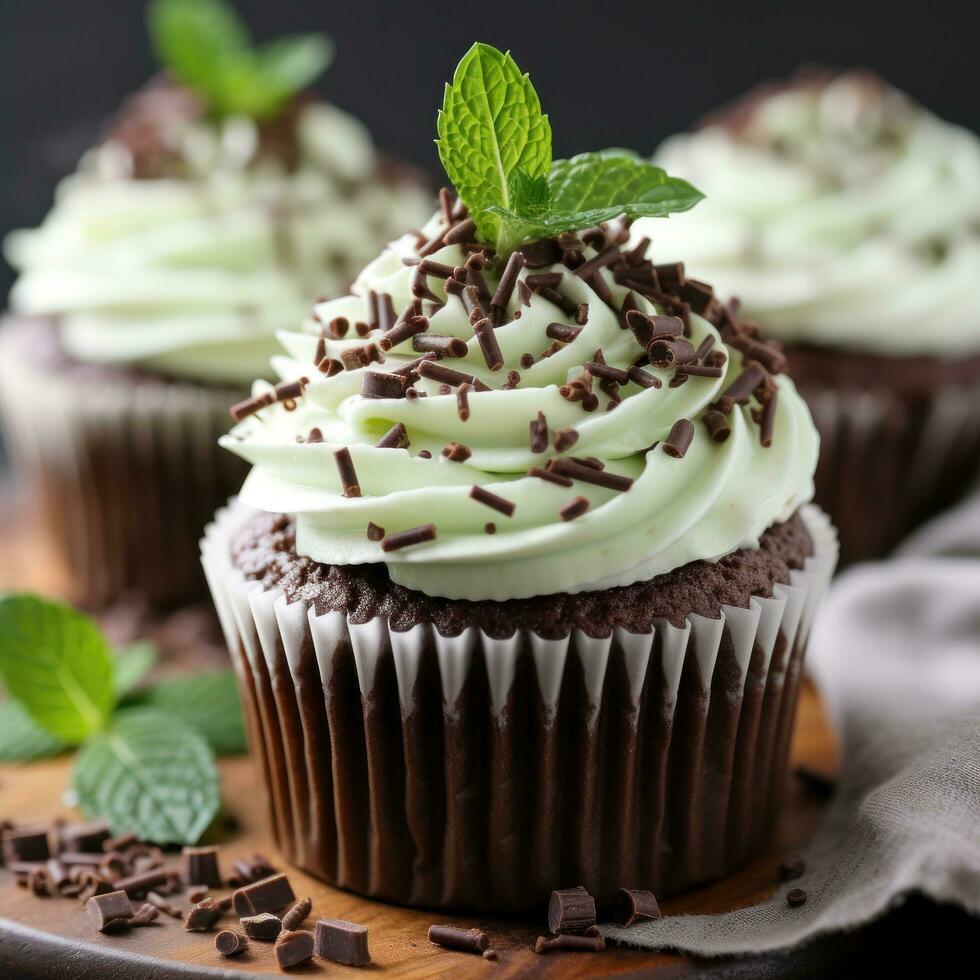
[191, 277]
[841, 214]
[715, 499]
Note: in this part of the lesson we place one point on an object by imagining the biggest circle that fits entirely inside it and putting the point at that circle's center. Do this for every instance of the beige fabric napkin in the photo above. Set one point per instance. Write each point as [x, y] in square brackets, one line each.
[896, 654]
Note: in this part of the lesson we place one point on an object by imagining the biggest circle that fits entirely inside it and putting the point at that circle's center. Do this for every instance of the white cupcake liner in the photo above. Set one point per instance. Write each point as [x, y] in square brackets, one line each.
[125, 472]
[887, 465]
[477, 773]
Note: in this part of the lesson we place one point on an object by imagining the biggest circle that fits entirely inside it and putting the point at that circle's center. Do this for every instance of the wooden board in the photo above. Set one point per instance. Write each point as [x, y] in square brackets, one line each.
[43, 937]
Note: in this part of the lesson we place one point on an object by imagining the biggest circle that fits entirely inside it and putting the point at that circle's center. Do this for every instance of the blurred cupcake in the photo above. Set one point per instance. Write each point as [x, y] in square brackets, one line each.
[846, 218]
[519, 586]
[220, 201]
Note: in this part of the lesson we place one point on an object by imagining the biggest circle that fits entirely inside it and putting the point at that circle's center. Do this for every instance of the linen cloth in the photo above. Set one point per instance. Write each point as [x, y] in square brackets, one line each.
[895, 652]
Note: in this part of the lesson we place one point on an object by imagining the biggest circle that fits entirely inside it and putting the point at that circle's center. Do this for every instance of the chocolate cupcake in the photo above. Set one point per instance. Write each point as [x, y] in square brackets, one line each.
[519, 586]
[845, 217]
[148, 298]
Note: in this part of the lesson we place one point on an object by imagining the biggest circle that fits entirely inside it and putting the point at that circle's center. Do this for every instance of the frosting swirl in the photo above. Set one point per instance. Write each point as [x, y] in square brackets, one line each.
[841, 213]
[191, 272]
[703, 503]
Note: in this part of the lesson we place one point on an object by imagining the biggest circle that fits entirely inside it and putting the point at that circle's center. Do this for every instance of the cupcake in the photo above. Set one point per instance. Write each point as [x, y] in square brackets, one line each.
[207, 217]
[519, 585]
[846, 218]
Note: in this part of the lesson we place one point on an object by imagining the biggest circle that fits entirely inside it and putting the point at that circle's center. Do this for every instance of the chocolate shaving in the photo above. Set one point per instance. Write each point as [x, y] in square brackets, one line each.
[345, 469]
[562, 331]
[381, 384]
[699, 371]
[600, 369]
[395, 438]
[679, 439]
[767, 422]
[669, 353]
[643, 378]
[489, 347]
[606, 257]
[717, 425]
[250, 406]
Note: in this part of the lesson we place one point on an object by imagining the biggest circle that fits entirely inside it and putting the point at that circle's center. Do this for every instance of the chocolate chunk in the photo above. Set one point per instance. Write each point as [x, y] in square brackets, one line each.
[267, 895]
[635, 905]
[297, 915]
[85, 836]
[202, 916]
[795, 897]
[110, 912]
[198, 894]
[293, 948]
[199, 866]
[383, 384]
[145, 914]
[27, 843]
[228, 943]
[456, 452]
[264, 927]
[571, 910]
[464, 940]
[342, 942]
[679, 439]
[540, 253]
[572, 944]
[374, 531]
[449, 376]
[792, 868]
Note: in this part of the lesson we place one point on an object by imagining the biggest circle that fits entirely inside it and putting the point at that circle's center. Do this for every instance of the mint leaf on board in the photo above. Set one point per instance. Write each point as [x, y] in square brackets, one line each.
[56, 663]
[594, 187]
[208, 701]
[21, 738]
[490, 126]
[205, 45]
[133, 663]
[149, 775]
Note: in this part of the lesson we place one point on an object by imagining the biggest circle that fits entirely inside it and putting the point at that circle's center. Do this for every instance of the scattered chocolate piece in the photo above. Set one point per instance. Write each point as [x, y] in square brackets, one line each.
[463, 940]
[438, 344]
[342, 942]
[590, 474]
[717, 425]
[355, 358]
[767, 422]
[795, 897]
[199, 866]
[643, 378]
[395, 438]
[742, 387]
[538, 254]
[489, 528]
[493, 500]
[167, 908]
[405, 539]
[699, 371]
[456, 452]
[670, 353]
[635, 905]
[374, 531]
[85, 836]
[145, 914]
[600, 369]
[490, 954]
[198, 894]
[383, 384]
[39, 882]
[814, 782]
[564, 439]
[27, 843]
[293, 948]
[562, 331]
[297, 915]
[463, 401]
[606, 257]
[550, 476]
[348, 475]
[575, 509]
[92, 883]
[121, 843]
[85, 859]
[487, 339]
[329, 366]
[136, 886]
[228, 943]
[792, 868]
[267, 895]
[449, 376]
[202, 916]
[264, 927]
[243, 409]
[572, 944]
[539, 433]
[571, 910]
[110, 912]
[508, 279]
[464, 231]
[679, 439]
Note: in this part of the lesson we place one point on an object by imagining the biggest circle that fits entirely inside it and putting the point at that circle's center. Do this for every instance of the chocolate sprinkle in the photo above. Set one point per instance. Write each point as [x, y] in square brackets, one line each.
[571, 944]
[457, 452]
[589, 474]
[493, 500]
[405, 539]
[643, 378]
[462, 940]
[348, 476]
[374, 531]
[575, 509]
[550, 476]
[395, 438]
[463, 401]
[562, 331]
[717, 424]
[679, 440]
[381, 384]
[446, 346]
[483, 329]
[508, 279]
[539, 433]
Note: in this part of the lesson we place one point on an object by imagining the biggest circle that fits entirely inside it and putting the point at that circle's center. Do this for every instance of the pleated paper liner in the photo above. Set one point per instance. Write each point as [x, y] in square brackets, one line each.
[125, 472]
[473, 773]
[887, 465]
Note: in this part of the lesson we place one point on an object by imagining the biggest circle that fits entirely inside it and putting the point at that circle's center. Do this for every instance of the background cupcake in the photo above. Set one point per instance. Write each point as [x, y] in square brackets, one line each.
[219, 202]
[519, 586]
[845, 217]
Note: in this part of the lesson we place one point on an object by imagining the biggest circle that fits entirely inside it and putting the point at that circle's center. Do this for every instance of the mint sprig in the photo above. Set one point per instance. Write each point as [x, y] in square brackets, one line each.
[495, 144]
[206, 46]
[146, 761]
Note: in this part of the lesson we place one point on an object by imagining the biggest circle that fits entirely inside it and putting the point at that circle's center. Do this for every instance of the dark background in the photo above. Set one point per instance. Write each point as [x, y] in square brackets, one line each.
[608, 74]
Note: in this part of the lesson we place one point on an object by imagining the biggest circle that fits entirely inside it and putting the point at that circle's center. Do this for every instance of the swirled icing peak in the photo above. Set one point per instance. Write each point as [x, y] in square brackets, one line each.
[840, 212]
[571, 417]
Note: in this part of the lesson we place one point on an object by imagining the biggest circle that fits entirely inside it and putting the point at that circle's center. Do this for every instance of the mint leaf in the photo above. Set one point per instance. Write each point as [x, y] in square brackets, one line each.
[55, 662]
[132, 664]
[209, 702]
[491, 125]
[205, 45]
[149, 775]
[21, 738]
[595, 187]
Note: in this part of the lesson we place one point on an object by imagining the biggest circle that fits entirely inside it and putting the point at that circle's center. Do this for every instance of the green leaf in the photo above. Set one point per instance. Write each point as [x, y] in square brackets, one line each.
[594, 187]
[149, 775]
[21, 738]
[206, 46]
[56, 663]
[491, 125]
[132, 664]
[209, 702]
[196, 39]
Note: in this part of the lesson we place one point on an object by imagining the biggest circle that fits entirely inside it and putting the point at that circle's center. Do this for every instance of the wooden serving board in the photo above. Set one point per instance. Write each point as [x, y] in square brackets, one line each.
[41, 937]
